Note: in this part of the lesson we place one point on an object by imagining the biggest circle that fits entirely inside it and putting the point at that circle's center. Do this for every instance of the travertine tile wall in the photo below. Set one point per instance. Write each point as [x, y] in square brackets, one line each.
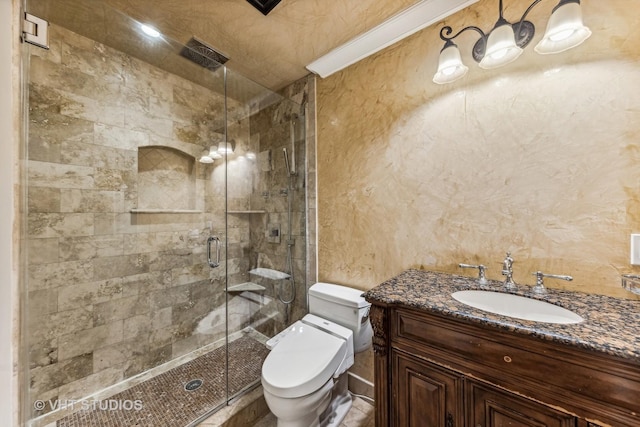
[113, 293]
[539, 157]
[267, 186]
[276, 126]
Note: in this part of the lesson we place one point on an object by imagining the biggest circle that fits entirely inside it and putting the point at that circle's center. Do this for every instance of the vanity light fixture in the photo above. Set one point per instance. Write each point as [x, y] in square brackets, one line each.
[210, 155]
[226, 147]
[506, 41]
[205, 158]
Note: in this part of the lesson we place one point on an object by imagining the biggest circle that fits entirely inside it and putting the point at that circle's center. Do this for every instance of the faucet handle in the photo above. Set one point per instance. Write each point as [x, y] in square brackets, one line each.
[507, 271]
[507, 264]
[539, 287]
[482, 279]
[631, 282]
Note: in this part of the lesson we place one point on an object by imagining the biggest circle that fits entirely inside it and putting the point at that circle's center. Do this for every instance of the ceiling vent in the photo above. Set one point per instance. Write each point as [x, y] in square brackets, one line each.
[264, 6]
[203, 54]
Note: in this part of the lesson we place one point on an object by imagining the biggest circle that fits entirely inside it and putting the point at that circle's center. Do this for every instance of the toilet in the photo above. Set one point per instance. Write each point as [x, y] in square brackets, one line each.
[304, 377]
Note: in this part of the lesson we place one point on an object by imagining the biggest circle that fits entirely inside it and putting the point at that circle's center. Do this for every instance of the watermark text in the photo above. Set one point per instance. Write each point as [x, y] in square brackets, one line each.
[89, 405]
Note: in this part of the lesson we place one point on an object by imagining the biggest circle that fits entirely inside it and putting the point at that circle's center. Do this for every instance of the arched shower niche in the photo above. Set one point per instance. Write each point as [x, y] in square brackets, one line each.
[166, 180]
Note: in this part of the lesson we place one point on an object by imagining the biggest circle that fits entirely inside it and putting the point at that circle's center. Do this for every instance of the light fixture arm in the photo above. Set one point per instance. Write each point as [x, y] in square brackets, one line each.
[478, 48]
[447, 30]
[524, 15]
[526, 12]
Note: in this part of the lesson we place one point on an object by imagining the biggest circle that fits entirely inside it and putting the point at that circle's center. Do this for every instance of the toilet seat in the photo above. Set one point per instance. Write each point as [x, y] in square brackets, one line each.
[302, 362]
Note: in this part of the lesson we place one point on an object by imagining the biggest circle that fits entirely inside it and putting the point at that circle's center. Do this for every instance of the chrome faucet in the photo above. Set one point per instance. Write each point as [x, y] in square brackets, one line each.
[482, 279]
[631, 282]
[507, 270]
[539, 287]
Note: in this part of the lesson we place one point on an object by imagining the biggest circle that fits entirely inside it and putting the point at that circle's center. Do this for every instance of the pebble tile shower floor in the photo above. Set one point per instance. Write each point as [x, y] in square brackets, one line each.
[165, 402]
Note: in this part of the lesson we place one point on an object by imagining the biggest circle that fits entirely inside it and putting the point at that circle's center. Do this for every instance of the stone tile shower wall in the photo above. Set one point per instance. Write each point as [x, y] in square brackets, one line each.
[260, 186]
[112, 293]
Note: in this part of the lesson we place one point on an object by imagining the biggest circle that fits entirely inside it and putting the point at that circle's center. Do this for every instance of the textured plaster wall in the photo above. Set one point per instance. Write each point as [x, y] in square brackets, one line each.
[539, 158]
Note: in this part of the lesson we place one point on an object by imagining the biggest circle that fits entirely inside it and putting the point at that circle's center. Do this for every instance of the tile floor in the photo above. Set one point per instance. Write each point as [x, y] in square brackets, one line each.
[164, 400]
[361, 414]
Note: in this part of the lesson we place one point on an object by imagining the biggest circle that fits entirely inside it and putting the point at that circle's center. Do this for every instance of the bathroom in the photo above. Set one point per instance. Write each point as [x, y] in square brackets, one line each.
[536, 158]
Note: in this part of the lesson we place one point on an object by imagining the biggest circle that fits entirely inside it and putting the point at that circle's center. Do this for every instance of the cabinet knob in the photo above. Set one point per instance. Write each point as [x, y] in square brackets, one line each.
[507, 359]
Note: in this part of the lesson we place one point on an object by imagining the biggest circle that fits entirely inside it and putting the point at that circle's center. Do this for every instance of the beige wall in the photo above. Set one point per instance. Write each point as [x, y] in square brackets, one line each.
[540, 157]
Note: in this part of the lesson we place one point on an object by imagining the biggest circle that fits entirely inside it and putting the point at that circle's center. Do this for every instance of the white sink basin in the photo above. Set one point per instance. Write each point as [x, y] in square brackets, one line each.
[517, 306]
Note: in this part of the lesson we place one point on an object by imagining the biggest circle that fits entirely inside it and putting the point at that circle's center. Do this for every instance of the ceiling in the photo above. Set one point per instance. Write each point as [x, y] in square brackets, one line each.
[271, 50]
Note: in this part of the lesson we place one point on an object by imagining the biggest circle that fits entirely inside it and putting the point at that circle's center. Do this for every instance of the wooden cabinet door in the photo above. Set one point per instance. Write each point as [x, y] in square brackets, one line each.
[424, 394]
[490, 407]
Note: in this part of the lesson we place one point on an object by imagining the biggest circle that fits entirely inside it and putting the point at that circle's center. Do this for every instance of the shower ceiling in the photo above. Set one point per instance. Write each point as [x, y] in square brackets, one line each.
[271, 50]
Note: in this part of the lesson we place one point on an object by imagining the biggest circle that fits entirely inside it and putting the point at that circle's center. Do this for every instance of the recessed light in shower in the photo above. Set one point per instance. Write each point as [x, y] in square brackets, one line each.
[150, 31]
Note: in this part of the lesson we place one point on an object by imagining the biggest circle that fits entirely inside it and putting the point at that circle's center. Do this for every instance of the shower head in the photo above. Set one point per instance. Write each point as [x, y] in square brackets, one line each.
[202, 54]
[286, 161]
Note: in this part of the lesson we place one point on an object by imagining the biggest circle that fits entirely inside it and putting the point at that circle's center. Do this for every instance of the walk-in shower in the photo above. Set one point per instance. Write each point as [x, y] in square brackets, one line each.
[152, 280]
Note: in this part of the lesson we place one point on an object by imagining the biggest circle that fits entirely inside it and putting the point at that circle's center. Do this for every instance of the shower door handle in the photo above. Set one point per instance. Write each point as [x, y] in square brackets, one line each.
[216, 263]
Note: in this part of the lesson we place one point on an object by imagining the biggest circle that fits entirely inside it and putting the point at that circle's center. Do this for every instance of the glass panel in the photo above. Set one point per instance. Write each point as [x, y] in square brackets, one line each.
[123, 307]
[266, 220]
[154, 271]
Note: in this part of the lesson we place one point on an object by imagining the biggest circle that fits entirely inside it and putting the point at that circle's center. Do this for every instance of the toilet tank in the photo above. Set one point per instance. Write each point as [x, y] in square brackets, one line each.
[344, 306]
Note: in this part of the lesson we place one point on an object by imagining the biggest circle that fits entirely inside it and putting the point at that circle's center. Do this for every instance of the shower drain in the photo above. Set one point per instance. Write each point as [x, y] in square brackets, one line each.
[193, 385]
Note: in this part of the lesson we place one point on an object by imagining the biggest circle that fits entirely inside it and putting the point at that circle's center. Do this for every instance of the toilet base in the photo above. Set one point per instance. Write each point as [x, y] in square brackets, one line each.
[341, 402]
[301, 411]
[332, 407]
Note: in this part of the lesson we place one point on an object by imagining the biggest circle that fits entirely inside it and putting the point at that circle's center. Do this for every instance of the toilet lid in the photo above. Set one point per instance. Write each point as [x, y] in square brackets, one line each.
[302, 362]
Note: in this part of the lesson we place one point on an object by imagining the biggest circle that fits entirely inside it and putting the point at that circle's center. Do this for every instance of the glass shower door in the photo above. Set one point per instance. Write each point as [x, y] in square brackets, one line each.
[266, 228]
[126, 321]
[165, 236]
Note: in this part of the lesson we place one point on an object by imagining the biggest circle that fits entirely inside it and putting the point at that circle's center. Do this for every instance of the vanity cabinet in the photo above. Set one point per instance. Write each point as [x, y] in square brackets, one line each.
[428, 395]
[432, 370]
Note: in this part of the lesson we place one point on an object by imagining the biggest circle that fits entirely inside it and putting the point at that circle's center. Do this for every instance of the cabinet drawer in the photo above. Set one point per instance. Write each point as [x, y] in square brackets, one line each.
[537, 368]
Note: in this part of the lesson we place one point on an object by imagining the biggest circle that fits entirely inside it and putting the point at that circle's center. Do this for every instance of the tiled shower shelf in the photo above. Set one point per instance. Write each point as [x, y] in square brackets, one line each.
[246, 286]
[269, 273]
[248, 212]
[165, 211]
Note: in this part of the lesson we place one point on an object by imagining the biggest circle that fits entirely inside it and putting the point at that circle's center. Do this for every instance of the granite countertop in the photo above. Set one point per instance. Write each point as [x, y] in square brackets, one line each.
[610, 325]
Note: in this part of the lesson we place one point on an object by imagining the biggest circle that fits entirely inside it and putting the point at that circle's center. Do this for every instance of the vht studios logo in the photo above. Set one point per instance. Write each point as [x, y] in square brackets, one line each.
[86, 405]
